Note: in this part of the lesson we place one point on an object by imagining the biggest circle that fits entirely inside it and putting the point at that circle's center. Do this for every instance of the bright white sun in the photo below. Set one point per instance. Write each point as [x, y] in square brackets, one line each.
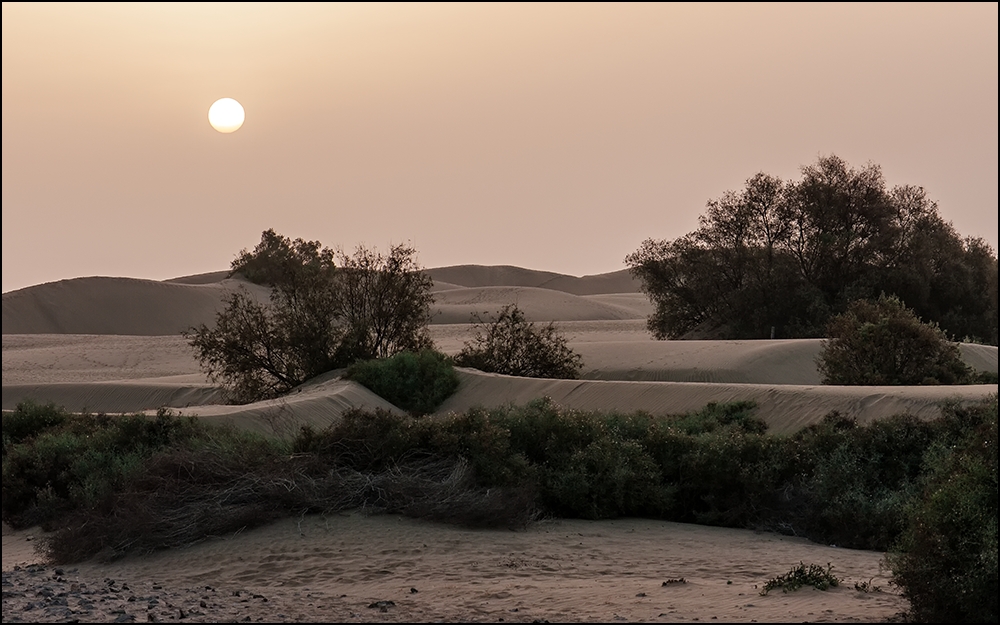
[226, 115]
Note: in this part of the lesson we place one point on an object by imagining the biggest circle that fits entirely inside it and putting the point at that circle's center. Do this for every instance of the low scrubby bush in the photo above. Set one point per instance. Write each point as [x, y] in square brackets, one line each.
[812, 575]
[884, 343]
[854, 481]
[28, 419]
[73, 461]
[416, 382]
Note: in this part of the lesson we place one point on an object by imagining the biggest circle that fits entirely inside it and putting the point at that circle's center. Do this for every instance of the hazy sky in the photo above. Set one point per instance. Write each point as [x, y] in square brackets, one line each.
[552, 137]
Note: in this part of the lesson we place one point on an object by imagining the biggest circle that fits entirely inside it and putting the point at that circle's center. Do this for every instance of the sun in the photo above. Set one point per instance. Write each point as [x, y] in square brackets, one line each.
[226, 115]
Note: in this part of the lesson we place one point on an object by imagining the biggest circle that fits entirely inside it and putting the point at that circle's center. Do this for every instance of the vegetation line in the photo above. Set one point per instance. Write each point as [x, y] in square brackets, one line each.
[924, 491]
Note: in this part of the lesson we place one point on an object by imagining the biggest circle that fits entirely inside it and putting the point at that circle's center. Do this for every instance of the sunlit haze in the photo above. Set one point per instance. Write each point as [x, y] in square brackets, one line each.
[554, 136]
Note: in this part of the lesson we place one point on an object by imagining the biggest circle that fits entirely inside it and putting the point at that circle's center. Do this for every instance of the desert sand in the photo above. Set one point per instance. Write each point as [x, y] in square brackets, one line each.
[113, 345]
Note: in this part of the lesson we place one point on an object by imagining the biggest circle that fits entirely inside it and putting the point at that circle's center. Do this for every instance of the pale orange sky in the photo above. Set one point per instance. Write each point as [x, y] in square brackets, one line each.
[552, 137]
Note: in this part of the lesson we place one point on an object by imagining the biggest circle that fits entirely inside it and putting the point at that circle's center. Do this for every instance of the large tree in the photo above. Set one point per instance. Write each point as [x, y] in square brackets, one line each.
[320, 316]
[787, 255]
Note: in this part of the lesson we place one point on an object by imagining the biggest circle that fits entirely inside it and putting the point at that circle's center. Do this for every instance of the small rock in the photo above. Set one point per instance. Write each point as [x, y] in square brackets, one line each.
[383, 606]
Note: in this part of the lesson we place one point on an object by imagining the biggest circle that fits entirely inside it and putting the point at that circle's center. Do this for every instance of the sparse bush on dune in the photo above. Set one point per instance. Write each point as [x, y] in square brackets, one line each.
[812, 575]
[511, 345]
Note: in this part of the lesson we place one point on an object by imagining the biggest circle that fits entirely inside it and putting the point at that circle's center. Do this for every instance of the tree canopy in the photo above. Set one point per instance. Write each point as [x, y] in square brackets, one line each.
[320, 316]
[788, 255]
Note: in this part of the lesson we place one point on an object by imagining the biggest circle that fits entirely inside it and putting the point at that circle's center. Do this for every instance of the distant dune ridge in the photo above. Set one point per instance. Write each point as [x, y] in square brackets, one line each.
[505, 275]
[102, 305]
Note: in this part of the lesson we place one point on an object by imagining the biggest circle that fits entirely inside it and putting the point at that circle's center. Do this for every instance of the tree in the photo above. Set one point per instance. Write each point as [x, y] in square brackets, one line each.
[287, 265]
[787, 255]
[319, 316]
[383, 301]
[511, 345]
[884, 343]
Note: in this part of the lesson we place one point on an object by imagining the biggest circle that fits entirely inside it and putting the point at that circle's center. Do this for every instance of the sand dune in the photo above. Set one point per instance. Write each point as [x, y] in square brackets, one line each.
[76, 358]
[125, 374]
[115, 306]
[537, 304]
[504, 275]
[785, 408]
[201, 278]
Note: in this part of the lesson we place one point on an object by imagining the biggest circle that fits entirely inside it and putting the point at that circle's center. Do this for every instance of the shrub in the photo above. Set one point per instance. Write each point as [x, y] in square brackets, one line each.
[854, 482]
[802, 575]
[946, 559]
[984, 377]
[586, 464]
[29, 419]
[362, 440]
[740, 414]
[511, 345]
[884, 343]
[77, 462]
[416, 382]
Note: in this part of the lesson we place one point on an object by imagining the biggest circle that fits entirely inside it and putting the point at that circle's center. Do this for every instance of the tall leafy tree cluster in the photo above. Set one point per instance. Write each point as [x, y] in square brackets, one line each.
[789, 255]
[327, 309]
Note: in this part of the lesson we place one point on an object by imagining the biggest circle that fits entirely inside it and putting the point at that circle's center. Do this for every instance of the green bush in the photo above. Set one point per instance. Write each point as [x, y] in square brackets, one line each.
[738, 414]
[416, 382]
[587, 465]
[362, 440]
[984, 377]
[511, 345]
[813, 575]
[28, 420]
[854, 482]
[946, 559]
[78, 460]
[884, 343]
